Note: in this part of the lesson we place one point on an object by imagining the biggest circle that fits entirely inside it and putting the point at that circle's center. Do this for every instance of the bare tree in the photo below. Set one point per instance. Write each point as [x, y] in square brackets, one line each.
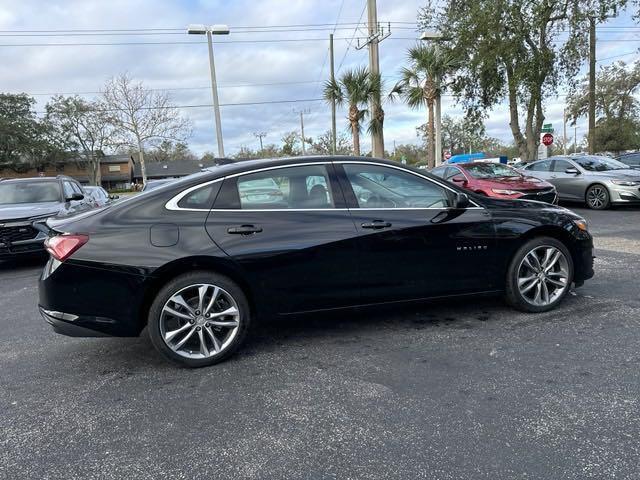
[81, 126]
[142, 117]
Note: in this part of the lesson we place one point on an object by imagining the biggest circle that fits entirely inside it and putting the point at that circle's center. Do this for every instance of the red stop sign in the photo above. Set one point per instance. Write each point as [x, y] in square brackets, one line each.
[547, 139]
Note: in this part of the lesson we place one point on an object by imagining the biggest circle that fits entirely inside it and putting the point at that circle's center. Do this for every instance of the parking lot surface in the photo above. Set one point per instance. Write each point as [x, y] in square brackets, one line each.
[446, 390]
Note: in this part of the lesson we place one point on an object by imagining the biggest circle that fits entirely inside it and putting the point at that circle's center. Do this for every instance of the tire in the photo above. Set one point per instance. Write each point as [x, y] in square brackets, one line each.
[196, 290]
[597, 197]
[520, 293]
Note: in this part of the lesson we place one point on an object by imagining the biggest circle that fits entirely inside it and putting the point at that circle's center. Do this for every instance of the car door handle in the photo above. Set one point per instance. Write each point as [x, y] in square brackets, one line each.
[244, 230]
[376, 224]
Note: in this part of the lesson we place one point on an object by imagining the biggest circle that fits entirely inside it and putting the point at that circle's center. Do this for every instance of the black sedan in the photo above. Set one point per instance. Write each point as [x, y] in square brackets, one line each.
[197, 261]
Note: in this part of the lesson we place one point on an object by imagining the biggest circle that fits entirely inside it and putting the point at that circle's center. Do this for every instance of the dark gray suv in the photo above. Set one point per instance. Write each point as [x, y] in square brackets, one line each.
[27, 200]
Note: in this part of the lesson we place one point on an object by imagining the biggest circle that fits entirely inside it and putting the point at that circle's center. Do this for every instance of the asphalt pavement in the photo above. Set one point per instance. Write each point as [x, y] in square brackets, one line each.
[446, 390]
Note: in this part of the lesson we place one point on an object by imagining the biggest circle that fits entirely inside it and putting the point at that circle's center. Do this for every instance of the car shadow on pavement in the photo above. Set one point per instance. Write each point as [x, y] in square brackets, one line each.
[23, 262]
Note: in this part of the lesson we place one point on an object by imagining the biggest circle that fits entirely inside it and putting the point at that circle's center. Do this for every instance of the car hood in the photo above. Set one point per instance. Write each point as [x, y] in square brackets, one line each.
[29, 210]
[626, 174]
[515, 183]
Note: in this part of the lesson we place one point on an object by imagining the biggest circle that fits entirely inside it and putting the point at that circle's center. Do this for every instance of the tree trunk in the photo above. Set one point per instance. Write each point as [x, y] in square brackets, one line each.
[354, 120]
[514, 121]
[431, 153]
[98, 171]
[143, 167]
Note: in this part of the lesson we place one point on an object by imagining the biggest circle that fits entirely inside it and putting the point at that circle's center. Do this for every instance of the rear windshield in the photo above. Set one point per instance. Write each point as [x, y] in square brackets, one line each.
[29, 192]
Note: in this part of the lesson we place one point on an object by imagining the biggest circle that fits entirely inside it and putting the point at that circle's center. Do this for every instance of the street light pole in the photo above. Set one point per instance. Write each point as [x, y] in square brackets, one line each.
[214, 92]
[209, 31]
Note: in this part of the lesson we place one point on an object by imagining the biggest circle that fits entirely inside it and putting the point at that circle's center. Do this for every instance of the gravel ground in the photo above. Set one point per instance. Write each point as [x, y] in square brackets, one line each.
[447, 390]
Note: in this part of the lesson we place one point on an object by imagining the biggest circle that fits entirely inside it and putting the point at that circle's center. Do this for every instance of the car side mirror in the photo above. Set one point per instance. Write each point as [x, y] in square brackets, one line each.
[75, 197]
[461, 200]
[572, 171]
[114, 197]
[459, 179]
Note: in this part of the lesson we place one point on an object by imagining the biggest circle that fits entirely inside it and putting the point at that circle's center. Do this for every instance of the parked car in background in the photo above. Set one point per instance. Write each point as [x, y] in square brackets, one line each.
[632, 159]
[99, 195]
[498, 181]
[153, 184]
[597, 181]
[196, 262]
[29, 200]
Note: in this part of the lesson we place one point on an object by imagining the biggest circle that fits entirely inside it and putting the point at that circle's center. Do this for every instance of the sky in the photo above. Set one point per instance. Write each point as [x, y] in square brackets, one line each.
[277, 51]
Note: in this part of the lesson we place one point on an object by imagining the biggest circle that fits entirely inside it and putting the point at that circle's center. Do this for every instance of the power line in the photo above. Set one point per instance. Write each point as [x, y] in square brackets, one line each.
[209, 105]
[355, 31]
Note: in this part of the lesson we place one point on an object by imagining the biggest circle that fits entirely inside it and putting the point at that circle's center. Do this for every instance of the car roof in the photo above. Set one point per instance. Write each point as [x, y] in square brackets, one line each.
[29, 179]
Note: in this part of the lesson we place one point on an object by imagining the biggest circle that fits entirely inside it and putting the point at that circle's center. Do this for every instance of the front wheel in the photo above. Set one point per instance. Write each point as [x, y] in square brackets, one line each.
[198, 319]
[597, 197]
[539, 276]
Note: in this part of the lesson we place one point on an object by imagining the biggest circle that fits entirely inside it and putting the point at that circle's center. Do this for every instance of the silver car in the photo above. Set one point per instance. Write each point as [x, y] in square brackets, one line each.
[597, 181]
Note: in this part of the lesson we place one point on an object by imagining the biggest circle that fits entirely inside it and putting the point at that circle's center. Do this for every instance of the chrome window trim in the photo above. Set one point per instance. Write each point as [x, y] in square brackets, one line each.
[172, 204]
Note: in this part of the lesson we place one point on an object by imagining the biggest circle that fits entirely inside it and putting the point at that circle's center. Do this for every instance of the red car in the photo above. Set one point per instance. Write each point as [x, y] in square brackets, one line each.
[498, 181]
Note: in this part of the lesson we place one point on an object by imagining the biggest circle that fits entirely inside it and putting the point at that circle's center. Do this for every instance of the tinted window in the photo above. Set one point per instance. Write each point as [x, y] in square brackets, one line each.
[452, 172]
[29, 192]
[542, 166]
[594, 163]
[201, 198]
[68, 190]
[384, 187]
[561, 165]
[287, 187]
[631, 159]
[439, 172]
[76, 188]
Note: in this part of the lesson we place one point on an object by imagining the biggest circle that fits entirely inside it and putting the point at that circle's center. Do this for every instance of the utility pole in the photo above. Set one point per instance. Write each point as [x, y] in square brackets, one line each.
[333, 101]
[592, 85]
[575, 139]
[375, 36]
[564, 128]
[302, 132]
[260, 135]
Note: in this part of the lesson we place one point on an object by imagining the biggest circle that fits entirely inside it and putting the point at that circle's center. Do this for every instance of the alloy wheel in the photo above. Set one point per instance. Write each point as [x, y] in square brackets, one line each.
[597, 197]
[543, 275]
[199, 321]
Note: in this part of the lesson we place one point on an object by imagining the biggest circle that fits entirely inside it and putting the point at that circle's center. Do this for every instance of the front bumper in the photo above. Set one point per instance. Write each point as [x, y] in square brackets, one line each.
[583, 260]
[621, 194]
[12, 249]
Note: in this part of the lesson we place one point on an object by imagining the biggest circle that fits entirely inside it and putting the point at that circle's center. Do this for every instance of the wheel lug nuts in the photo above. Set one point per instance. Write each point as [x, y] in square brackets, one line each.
[192, 321]
[197, 312]
[207, 315]
[197, 329]
[207, 324]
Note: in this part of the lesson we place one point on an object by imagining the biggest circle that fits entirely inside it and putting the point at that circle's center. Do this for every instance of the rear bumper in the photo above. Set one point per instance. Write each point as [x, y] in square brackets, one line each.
[87, 301]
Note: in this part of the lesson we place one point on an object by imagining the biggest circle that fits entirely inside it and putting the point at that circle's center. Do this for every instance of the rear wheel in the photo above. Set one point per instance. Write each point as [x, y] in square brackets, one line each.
[198, 319]
[539, 276]
[597, 197]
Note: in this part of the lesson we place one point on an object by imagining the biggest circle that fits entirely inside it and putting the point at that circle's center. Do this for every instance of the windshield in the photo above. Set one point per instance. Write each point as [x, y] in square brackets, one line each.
[29, 192]
[490, 170]
[599, 164]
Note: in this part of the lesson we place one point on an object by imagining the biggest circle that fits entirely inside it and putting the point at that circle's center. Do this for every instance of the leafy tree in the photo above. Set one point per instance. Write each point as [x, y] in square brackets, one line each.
[514, 50]
[356, 88]
[322, 145]
[423, 81]
[289, 142]
[81, 126]
[141, 117]
[411, 154]
[617, 134]
[616, 89]
[168, 151]
[25, 141]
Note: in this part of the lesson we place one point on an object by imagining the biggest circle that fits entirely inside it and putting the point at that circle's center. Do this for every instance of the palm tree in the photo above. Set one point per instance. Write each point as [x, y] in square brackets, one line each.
[356, 88]
[422, 83]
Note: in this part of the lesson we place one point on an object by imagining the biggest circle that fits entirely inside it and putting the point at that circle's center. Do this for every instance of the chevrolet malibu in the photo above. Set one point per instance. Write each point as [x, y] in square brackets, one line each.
[198, 260]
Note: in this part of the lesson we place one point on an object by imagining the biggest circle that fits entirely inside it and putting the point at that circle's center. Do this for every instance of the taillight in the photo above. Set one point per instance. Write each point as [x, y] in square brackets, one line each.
[62, 246]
